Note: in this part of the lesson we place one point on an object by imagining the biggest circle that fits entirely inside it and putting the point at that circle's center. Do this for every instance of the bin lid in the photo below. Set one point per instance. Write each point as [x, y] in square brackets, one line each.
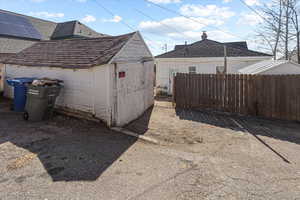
[19, 81]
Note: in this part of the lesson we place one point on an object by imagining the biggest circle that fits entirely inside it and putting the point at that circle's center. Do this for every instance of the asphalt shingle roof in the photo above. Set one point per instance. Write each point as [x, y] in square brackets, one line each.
[5, 56]
[51, 30]
[210, 48]
[74, 53]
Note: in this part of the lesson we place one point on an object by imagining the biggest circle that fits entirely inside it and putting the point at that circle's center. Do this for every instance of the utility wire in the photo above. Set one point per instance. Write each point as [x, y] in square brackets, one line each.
[190, 18]
[170, 27]
[146, 15]
[122, 21]
[113, 15]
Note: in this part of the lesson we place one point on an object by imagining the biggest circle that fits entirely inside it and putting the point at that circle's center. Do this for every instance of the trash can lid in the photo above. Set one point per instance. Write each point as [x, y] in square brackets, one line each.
[19, 81]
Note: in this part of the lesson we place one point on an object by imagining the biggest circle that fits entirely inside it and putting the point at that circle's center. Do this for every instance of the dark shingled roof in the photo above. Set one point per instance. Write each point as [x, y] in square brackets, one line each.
[242, 44]
[74, 29]
[74, 53]
[5, 56]
[210, 48]
[64, 29]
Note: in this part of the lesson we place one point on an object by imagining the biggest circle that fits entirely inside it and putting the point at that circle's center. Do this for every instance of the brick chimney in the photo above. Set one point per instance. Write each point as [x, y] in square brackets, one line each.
[204, 35]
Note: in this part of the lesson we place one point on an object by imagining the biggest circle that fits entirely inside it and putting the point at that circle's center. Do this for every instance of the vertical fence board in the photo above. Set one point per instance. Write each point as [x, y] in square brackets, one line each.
[274, 96]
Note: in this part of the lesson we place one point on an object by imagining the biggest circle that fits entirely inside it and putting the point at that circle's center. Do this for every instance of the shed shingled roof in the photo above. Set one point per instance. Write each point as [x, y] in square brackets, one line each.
[263, 66]
[5, 56]
[74, 53]
[210, 48]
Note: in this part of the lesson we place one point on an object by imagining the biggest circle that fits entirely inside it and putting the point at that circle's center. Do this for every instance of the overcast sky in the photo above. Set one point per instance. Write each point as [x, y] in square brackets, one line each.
[224, 20]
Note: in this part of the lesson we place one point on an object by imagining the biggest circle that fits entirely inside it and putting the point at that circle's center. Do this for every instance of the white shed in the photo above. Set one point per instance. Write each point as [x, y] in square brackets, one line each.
[272, 67]
[203, 57]
[109, 77]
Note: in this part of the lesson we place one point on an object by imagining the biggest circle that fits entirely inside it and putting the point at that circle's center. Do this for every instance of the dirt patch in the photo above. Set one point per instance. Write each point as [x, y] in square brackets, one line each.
[204, 131]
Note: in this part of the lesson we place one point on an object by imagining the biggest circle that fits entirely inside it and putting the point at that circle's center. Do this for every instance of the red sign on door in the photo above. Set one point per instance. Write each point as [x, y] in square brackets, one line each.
[122, 74]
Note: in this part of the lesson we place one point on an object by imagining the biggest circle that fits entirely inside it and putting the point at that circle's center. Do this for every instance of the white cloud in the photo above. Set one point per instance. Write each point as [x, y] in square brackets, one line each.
[252, 2]
[47, 14]
[88, 18]
[165, 1]
[249, 19]
[115, 19]
[226, 1]
[181, 28]
[212, 11]
[178, 24]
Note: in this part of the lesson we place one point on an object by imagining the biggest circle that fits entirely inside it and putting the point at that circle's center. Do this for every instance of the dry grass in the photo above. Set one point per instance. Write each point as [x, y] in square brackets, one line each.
[21, 162]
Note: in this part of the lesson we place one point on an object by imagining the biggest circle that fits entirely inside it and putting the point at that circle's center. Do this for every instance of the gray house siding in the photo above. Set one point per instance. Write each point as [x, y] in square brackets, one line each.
[12, 45]
[46, 28]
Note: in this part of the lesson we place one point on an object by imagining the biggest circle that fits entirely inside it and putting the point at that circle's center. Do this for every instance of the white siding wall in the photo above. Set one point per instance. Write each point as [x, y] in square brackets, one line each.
[97, 91]
[208, 66]
[135, 90]
[134, 50]
[287, 68]
[84, 89]
[102, 92]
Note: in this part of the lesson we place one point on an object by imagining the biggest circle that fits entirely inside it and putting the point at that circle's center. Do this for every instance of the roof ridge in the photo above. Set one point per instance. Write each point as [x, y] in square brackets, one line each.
[198, 49]
[129, 34]
[23, 15]
[79, 39]
[77, 53]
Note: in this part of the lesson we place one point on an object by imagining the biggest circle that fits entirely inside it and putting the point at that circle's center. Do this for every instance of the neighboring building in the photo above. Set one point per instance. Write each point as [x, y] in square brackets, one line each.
[272, 67]
[292, 56]
[18, 32]
[110, 78]
[205, 56]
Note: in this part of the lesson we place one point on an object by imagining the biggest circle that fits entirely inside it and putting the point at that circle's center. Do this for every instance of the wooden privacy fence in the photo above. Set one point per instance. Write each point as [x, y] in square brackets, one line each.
[272, 96]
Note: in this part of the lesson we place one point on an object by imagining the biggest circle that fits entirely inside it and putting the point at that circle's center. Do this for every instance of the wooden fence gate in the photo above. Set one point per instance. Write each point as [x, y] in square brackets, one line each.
[272, 96]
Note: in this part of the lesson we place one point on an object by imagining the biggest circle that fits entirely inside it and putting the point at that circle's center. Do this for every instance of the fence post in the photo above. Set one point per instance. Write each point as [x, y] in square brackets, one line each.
[174, 92]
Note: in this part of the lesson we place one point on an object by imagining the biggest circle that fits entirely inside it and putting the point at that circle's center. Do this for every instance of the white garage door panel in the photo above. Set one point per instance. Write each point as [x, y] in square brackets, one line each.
[135, 91]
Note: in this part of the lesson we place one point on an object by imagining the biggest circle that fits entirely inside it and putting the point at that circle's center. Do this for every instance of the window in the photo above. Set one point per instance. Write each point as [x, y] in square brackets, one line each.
[192, 70]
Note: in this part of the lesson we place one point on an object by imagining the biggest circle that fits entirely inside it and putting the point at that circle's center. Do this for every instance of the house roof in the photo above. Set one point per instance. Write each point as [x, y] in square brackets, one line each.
[262, 66]
[241, 44]
[74, 29]
[5, 56]
[44, 27]
[52, 30]
[211, 48]
[64, 29]
[73, 53]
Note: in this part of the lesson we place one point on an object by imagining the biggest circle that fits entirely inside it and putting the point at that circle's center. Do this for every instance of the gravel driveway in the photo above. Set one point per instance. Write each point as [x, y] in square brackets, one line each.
[203, 156]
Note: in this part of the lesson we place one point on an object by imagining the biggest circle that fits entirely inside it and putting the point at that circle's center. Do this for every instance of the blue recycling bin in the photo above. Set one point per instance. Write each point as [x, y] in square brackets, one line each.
[20, 90]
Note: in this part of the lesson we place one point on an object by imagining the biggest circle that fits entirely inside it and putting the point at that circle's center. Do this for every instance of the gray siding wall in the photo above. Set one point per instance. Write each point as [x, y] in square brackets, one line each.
[82, 30]
[46, 28]
[10, 45]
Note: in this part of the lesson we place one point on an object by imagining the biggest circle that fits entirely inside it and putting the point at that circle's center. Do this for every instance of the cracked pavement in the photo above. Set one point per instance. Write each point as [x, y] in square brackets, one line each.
[67, 158]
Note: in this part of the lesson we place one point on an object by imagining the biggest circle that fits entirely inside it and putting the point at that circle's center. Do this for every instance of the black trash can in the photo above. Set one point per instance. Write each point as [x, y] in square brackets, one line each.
[41, 101]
